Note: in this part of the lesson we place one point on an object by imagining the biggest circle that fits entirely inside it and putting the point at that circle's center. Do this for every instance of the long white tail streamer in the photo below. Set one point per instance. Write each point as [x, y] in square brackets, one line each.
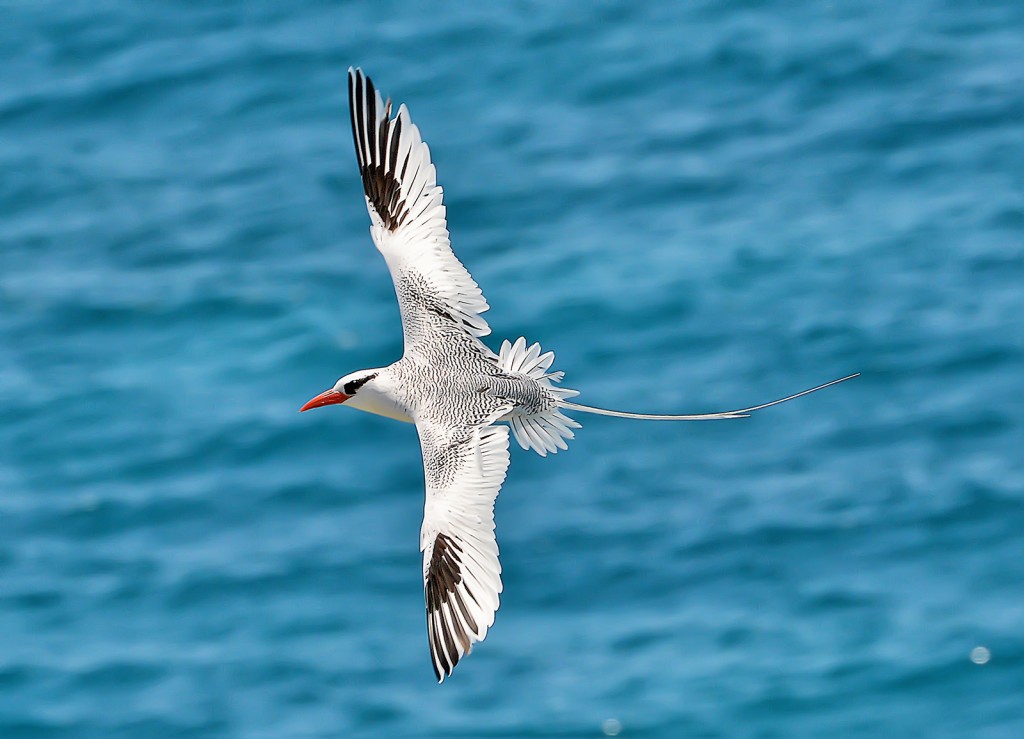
[741, 413]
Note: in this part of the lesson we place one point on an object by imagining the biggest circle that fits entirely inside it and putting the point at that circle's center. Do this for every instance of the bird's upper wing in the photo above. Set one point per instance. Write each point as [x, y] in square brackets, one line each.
[464, 469]
[408, 218]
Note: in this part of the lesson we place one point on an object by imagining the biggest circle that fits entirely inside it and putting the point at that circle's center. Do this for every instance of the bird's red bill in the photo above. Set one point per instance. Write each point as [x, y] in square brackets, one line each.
[326, 398]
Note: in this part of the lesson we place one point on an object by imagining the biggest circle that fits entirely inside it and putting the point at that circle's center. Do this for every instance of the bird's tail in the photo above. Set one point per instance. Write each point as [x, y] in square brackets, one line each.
[548, 430]
[741, 413]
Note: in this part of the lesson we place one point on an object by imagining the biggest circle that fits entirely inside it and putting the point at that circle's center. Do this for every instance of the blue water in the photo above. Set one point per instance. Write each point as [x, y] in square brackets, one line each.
[698, 206]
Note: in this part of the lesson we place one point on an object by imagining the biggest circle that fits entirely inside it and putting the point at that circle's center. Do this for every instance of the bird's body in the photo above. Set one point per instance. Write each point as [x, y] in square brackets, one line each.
[458, 392]
[463, 386]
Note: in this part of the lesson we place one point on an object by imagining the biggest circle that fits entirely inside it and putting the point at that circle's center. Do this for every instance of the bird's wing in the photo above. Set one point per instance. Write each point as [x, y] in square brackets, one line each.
[464, 469]
[407, 217]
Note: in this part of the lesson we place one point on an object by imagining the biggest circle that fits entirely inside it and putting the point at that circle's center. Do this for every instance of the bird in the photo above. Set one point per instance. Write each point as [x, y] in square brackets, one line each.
[465, 399]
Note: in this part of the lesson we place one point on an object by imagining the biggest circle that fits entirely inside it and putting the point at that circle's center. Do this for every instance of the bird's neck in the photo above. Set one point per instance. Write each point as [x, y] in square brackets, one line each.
[380, 397]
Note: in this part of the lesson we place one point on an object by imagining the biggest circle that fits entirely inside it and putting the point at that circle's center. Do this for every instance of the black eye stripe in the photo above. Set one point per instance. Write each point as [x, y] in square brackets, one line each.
[350, 387]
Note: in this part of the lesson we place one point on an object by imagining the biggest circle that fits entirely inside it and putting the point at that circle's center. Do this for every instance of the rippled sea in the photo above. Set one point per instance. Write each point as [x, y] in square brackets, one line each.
[698, 206]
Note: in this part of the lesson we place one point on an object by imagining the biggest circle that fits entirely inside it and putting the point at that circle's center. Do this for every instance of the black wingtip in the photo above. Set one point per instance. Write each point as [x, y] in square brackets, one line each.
[377, 143]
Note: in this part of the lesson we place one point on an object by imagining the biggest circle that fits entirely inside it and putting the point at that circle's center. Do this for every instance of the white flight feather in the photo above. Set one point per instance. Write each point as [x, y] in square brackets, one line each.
[420, 246]
[462, 482]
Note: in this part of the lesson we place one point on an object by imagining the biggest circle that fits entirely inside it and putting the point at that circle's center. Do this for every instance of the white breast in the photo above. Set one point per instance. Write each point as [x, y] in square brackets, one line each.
[372, 400]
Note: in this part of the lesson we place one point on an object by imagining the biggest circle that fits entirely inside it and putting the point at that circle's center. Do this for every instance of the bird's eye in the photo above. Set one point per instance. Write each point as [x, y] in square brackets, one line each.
[352, 386]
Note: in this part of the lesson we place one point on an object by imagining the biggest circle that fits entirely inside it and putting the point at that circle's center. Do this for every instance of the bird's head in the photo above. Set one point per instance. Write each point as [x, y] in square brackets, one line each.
[343, 389]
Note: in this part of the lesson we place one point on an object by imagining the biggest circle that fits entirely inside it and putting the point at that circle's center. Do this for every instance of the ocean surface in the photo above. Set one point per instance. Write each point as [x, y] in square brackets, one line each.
[699, 206]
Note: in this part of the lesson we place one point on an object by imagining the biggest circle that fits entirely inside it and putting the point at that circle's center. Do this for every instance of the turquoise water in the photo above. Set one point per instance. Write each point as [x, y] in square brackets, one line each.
[698, 206]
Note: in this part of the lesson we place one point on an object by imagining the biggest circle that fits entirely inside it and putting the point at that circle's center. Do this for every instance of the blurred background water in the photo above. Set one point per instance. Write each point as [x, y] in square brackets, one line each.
[698, 206]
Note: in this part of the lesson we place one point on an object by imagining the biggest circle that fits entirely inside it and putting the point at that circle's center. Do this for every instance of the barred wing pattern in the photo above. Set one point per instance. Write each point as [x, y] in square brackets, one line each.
[407, 215]
[464, 470]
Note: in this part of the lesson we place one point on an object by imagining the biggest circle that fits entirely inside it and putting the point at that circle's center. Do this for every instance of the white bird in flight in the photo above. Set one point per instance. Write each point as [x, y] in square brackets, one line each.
[449, 383]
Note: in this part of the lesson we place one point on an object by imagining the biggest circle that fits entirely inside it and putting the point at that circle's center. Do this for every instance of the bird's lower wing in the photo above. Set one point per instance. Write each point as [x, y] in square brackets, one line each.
[407, 215]
[464, 470]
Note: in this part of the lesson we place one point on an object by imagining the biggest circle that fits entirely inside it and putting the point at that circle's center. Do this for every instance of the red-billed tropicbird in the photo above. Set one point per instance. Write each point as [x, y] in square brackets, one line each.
[455, 389]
